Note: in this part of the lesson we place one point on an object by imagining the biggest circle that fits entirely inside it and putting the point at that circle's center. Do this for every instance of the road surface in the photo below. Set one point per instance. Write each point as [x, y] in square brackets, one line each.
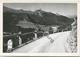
[45, 45]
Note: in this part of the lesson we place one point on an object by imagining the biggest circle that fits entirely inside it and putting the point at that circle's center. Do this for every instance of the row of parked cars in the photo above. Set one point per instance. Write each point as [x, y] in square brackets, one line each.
[12, 41]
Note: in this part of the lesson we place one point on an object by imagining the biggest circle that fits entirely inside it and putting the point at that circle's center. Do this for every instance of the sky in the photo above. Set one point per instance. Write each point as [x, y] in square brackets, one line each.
[66, 9]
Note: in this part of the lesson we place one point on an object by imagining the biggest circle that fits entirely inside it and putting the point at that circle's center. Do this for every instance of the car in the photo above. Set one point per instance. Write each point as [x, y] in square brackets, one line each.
[27, 37]
[10, 41]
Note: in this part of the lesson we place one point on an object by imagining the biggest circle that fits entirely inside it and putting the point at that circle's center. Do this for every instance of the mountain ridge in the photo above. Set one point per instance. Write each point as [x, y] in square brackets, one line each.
[12, 17]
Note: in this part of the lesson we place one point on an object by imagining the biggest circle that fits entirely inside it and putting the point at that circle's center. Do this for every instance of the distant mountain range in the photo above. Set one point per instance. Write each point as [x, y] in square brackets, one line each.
[6, 9]
[13, 16]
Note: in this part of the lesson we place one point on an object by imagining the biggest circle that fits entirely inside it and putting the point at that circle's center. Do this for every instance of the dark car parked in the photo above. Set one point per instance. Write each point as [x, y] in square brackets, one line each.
[8, 40]
[40, 34]
[27, 37]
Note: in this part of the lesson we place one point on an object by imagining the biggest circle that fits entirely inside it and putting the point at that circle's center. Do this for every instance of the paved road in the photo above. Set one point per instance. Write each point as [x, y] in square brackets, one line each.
[45, 45]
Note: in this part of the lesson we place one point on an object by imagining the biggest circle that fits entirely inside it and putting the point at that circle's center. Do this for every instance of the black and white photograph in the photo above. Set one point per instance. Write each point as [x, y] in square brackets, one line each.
[40, 28]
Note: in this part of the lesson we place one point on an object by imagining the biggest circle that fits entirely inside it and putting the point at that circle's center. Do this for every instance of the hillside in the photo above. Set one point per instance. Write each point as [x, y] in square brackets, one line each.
[13, 16]
[48, 18]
